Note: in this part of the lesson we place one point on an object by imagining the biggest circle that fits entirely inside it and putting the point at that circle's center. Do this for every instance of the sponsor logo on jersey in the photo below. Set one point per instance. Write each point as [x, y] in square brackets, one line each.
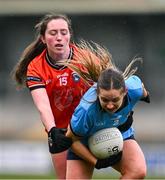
[48, 81]
[100, 123]
[116, 120]
[63, 75]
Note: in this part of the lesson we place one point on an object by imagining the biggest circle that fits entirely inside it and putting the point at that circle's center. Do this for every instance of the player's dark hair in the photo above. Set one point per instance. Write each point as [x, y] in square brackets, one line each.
[111, 79]
[35, 48]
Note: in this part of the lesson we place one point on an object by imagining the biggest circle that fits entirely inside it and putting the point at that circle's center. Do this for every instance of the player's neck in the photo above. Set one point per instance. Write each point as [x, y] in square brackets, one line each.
[54, 58]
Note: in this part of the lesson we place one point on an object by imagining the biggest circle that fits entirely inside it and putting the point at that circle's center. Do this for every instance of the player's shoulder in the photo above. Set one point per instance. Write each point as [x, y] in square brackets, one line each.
[89, 97]
[133, 82]
[134, 87]
[38, 60]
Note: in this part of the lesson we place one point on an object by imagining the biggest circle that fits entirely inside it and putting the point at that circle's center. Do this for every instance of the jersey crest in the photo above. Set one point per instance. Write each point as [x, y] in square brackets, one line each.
[75, 77]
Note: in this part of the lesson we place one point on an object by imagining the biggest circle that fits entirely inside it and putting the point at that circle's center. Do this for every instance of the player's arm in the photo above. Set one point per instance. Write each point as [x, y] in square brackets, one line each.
[146, 96]
[57, 140]
[80, 149]
[42, 103]
[83, 152]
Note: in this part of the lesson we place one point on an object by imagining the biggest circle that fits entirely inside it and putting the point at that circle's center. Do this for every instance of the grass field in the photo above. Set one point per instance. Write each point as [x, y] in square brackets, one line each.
[51, 176]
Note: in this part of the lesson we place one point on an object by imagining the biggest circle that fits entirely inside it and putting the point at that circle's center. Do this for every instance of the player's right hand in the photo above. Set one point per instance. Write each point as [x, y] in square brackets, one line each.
[57, 140]
[104, 163]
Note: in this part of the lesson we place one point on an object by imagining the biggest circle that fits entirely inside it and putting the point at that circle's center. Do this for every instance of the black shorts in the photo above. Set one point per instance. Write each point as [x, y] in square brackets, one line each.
[72, 156]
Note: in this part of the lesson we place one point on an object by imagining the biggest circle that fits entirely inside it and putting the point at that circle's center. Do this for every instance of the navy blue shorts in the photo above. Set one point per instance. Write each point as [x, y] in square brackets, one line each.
[72, 156]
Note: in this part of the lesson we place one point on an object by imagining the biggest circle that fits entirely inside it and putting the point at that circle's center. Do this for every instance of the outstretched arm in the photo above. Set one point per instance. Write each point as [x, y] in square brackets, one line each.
[146, 96]
[42, 104]
[57, 140]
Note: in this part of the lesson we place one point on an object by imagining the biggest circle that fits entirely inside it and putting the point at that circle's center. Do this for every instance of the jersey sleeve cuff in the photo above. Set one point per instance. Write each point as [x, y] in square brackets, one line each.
[36, 87]
[74, 132]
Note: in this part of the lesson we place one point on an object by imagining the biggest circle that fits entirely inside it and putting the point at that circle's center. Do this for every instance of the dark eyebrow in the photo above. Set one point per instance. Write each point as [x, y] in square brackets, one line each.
[64, 29]
[112, 99]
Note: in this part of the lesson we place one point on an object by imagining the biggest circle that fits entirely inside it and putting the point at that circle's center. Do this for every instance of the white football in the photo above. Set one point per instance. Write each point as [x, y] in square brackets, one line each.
[106, 142]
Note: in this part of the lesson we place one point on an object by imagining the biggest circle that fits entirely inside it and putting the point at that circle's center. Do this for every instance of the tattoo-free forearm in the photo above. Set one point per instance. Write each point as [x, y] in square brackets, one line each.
[42, 104]
[83, 152]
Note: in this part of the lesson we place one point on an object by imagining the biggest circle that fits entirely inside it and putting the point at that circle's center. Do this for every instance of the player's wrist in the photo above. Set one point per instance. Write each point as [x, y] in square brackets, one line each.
[50, 126]
[51, 129]
[57, 140]
[93, 160]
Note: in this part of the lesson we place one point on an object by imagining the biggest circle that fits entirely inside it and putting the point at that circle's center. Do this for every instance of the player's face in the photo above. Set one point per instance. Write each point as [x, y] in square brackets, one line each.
[57, 38]
[111, 100]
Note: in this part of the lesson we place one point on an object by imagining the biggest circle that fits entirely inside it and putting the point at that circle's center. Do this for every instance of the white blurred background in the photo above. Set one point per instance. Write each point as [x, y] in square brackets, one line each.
[127, 28]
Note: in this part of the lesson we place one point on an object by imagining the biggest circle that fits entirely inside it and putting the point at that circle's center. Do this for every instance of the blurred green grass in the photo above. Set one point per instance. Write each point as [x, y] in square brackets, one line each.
[51, 176]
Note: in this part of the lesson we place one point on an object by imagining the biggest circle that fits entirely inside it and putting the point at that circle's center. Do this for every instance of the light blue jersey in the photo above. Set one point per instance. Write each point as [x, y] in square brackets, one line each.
[89, 117]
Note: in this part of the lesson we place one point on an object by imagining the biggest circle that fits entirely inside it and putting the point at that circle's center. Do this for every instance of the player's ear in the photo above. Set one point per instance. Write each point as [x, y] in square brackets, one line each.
[125, 91]
[42, 39]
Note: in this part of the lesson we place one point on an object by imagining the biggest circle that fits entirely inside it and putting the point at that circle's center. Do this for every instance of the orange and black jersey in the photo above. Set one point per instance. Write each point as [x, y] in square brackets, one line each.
[64, 87]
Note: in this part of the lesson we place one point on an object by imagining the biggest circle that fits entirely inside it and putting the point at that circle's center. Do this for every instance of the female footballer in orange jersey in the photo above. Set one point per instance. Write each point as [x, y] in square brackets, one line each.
[56, 90]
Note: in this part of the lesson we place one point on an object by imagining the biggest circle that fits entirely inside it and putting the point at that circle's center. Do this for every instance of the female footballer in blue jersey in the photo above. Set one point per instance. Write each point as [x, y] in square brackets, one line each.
[108, 103]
